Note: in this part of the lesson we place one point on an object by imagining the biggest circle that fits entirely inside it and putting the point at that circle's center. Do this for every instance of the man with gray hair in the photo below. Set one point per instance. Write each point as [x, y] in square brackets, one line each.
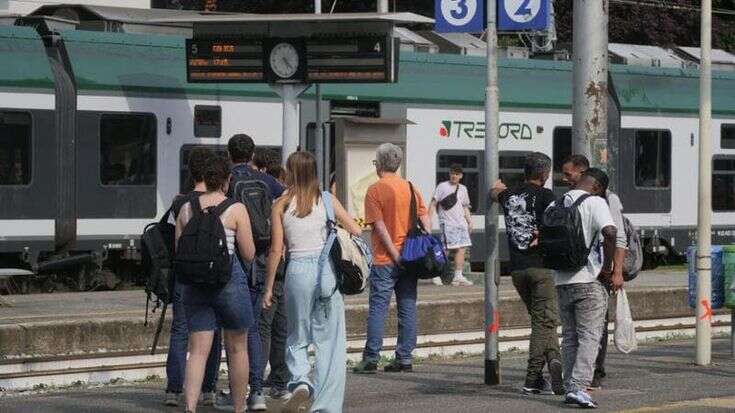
[523, 205]
[387, 209]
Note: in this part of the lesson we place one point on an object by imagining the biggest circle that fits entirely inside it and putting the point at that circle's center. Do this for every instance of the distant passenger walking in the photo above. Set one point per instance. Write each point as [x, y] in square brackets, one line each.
[316, 314]
[452, 204]
[523, 206]
[583, 299]
[241, 148]
[573, 168]
[387, 208]
[179, 342]
[211, 306]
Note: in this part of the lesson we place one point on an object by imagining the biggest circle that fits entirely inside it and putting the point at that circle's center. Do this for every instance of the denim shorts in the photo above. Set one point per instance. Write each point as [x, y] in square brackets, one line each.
[208, 308]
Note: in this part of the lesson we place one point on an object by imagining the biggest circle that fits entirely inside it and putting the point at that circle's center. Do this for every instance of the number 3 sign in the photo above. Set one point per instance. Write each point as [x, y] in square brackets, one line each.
[465, 16]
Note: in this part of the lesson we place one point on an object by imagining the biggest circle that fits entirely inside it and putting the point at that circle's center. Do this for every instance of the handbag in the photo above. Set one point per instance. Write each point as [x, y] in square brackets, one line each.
[422, 255]
[449, 201]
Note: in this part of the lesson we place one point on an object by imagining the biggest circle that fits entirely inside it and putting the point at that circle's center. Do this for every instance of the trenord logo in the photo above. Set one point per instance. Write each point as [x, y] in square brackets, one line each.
[476, 130]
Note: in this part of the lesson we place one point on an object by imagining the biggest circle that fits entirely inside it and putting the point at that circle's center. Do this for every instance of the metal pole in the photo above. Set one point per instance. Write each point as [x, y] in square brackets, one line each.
[492, 275]
[382, 6]
[318, 131]
[589, 117]
[704, 216]
[289, 95]
[732, 333]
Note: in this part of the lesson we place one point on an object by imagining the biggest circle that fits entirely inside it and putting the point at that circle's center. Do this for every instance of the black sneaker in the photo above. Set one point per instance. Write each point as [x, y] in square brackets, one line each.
[366, 367]
[555, 371]
[540, 386]
[596, 381]
[396, 367]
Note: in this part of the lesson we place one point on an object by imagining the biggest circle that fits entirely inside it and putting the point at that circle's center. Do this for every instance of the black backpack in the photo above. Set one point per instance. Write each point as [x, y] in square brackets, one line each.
[257, 198]
[157, 251]
[201, 254]
[561, 237]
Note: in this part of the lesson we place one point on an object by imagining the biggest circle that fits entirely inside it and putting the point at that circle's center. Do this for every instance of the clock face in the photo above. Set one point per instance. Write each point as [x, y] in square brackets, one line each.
[284, 60]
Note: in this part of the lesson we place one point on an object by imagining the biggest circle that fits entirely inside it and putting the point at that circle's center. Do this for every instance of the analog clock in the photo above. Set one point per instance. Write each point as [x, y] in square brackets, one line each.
[284, 60]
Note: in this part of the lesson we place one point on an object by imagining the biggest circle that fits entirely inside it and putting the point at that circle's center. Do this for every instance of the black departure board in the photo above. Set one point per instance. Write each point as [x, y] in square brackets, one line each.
[238, 61]
[329, 59]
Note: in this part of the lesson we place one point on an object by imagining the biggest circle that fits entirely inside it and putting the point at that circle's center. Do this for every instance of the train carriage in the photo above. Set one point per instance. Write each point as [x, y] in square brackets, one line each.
[122, 104]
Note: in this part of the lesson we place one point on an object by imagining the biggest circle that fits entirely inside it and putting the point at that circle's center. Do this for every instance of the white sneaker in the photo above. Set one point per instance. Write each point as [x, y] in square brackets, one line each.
[437, 281]
[462, 281]
[298, 401]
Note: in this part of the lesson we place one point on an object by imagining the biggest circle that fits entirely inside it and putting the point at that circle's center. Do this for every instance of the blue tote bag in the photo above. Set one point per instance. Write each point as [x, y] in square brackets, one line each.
[422, 254]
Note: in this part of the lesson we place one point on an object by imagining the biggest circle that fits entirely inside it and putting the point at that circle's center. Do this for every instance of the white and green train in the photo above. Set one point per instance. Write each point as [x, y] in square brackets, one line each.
[95, 129]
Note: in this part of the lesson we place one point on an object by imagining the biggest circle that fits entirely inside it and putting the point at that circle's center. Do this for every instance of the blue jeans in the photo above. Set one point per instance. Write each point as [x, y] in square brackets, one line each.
[177, 348]
[317, 321]
[384, 279]
[255, 348]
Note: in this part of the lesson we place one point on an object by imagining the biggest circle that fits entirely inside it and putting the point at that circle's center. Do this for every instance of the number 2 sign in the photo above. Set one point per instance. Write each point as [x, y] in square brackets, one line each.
[459, 16]
[519, 15]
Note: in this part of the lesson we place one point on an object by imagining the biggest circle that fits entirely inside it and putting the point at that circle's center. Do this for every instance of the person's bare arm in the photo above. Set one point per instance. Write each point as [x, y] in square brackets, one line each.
[276, 251]
[617, 275]
[497, 188]
[608, 252]
[181, 221]
[432, 207]
[468, 216]
[244, 233]
[344, 218]
[384, 237]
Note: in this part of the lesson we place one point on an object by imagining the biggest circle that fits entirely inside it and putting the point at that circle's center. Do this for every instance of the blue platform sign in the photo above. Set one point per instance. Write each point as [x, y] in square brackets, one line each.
[523, 15]
[459, 16]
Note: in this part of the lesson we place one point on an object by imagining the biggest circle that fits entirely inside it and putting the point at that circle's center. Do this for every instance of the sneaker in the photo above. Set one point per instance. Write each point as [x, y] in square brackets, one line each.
[278, 393]
[223, 402]
[396, 367]
[366, 367]
[207, 398]
[596, 381]
[256, 402]
[555, 371]
[437, 281]
[462, 281]
[299, 399]
[581, 398]
[171, 399]
[542, 386]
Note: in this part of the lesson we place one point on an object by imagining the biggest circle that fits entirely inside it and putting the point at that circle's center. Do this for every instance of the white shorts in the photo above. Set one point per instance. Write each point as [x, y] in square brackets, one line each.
[456, 237]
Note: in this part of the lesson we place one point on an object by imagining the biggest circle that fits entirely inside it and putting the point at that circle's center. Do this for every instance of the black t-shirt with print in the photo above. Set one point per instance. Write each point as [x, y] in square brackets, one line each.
[523, 205]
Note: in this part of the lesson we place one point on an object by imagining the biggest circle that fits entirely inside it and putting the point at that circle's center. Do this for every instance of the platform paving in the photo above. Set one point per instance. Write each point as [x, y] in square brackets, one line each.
[659, 377]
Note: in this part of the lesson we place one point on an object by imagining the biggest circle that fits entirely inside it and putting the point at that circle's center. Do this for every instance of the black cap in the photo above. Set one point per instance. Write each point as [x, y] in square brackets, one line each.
[600, 176]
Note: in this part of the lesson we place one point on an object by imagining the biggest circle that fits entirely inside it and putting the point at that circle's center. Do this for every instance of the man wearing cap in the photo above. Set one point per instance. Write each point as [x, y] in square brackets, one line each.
[582, 296]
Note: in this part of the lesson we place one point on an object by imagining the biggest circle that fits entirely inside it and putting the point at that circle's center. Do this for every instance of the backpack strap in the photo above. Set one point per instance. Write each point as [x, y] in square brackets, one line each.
[413, 213]
[196, 206]
[325, 254]
[167, 214]
[580, 200]
[329, 207]
[222, 206]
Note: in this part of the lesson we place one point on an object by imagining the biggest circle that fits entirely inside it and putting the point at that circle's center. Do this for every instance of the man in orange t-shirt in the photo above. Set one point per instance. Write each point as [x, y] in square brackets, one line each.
[387, 208]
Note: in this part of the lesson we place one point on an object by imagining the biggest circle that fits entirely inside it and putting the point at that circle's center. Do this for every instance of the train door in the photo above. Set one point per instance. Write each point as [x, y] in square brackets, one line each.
[355, 142]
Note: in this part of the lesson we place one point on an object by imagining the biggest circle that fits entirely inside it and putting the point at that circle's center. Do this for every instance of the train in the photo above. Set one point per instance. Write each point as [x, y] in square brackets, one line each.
[96, 128]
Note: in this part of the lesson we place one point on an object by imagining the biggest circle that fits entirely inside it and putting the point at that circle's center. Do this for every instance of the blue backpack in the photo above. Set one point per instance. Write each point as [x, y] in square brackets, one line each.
[422, 254]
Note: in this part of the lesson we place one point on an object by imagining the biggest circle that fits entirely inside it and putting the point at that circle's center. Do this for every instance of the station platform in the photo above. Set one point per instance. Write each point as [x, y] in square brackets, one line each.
[43, 325]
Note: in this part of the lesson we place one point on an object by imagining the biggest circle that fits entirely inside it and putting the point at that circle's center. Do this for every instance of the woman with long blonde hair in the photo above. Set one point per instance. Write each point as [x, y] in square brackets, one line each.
[315, 307]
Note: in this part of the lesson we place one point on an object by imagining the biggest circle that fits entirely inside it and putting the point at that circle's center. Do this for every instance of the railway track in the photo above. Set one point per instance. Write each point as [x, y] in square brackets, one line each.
[57, 371]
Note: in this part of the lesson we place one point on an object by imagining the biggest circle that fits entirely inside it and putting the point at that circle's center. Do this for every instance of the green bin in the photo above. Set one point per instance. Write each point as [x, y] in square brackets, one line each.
[728, 262]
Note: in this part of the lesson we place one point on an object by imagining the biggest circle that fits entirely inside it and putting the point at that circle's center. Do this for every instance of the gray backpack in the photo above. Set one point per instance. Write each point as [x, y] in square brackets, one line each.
[633, 261]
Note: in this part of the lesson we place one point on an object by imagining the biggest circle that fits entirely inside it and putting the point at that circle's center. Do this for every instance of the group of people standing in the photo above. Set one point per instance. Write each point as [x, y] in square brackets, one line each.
[579, 298]
[280, 298]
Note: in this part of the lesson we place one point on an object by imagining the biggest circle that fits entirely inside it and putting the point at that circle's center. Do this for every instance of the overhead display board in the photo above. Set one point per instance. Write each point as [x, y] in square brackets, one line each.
[361, 58]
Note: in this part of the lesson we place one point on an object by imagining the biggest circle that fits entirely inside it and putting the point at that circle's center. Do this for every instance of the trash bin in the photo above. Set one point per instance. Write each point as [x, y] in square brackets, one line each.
[728, 264]
[718, 279]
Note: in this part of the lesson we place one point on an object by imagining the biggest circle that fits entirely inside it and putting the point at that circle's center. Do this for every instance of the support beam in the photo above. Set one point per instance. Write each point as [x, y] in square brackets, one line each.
[290, 96]
[589, 119]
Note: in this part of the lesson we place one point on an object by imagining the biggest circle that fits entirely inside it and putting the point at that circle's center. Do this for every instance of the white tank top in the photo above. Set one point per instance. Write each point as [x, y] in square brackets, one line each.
[305, 236]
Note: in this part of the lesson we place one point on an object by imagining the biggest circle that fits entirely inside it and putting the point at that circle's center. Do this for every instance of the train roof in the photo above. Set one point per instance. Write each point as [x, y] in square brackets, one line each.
[133, 64]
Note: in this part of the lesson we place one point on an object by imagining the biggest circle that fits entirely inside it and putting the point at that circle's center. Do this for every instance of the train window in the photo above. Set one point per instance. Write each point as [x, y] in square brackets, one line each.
[128, 150]
[511, 167]
[562, 149]
[723, 184]
[652, 158]
[727, 136]
[207, 121]
[186, 184]
[15, 148]
[471, 162]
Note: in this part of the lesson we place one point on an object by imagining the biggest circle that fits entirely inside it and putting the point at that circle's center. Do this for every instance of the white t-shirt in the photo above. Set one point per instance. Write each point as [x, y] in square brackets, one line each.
[455, 215]
[595, 215]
